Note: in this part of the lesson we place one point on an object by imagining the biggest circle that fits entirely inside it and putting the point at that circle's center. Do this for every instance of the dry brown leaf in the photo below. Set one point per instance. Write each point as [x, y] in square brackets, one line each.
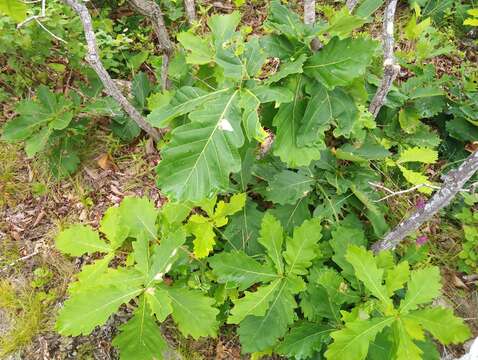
[106, 162]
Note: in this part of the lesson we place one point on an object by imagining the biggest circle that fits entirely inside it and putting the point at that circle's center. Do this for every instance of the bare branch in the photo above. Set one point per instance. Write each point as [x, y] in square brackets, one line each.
[391, 68]
[152, 11]
[190, 10]
[94, 60]
[453, 183]
[351, 4]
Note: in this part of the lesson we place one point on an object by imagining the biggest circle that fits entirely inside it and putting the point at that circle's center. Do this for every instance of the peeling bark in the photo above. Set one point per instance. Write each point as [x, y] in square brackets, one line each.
[453, 183]
[190, 10]
[152, 11]
[93, 59]
[391, 68]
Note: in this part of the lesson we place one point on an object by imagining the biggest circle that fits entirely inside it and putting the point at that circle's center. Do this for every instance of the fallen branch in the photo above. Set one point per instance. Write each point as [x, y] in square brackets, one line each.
[453, 182]
[93, 59]
[152, 11]
[190, 10]
[391, 68]
[392, 193]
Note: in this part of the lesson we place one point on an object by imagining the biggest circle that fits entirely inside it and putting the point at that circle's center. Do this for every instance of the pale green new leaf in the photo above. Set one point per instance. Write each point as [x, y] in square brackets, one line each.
[255, 303]
[159, 302]
[16, 9]
[416, 178]
[397, 277]
[289, 186]
[324, 109]
[185, 100]
[90, 273]
[418, 154]
[341, 61]
[352, 342]
[442, 324]
[367, 271]
[91, 307]
[140, 338]
[240, 269]
[304, 340]
[204, 236]
[139, 215]
[193, 312]
[302, 248]
[202, 154]
[271, 237]
[406, 348]
[37, 142]
[224, 26]
[80, 239]
[113, 227]
[225, 209]
[424, 286]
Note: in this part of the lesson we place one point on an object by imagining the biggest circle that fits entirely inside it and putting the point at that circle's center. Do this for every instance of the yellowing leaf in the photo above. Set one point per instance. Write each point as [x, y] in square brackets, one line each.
[418, 154]
[16, 9]
[203, 231]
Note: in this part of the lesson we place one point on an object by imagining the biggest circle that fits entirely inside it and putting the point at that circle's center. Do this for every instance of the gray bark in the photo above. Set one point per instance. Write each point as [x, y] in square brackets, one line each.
[391, 68]
[453, 183]
[351, 4]
[152, 11]
[309, 12]
[190, 10]
[93, 58]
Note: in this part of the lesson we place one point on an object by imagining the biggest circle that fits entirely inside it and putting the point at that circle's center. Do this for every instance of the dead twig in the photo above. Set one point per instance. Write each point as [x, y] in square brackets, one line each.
[152, 11]
[391, 68]
[453, 182]
[93, 59]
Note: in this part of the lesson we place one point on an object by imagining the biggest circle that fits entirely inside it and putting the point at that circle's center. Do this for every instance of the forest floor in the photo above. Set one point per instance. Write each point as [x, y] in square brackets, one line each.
[34, 276]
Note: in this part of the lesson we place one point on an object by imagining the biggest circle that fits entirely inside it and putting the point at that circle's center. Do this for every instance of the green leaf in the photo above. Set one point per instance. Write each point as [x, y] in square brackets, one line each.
[80, 239]
[406, 348]
[141, 88]
[341, 61]
[368, 7]
[224, 26]
[250, 116]
[199, 51]
[302, 248]
[424, 286]
[397, 277]
[113, 227]
[286, 69]
[289, 186]
[442, 324]
[352, 342]
[142, 253]
[140, 338]
[166, 254]
[342, 23]
[16, 9]
[327, 108]
[191, 168]
[254, 303]
[185, 100]
[367, 272]
[32, 117]
[37, 142]
[304, 340]
[254, 57]
[258, 333]
[92, 306]
[204, 236]
[287, 122]
[271, 237]
[139, 216]
[285, 21]
[225, 209]
[342, 238]
[193, 312]
[409, 119]
[159, 302]
[240, 269]
[418, 154]
[90, 273]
